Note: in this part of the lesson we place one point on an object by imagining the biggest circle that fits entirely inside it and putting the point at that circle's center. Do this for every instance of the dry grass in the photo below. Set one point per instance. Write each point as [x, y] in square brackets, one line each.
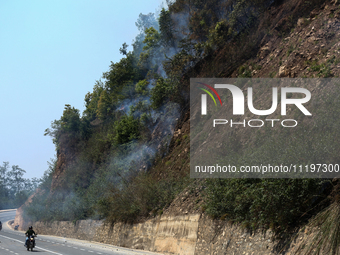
[326, 232]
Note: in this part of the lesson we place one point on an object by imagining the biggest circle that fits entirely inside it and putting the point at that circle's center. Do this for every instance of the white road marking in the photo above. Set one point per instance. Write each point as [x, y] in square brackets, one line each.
[36, 246]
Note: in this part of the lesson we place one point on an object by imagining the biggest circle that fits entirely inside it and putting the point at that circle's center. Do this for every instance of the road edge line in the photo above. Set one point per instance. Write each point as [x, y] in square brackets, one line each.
[35, 246]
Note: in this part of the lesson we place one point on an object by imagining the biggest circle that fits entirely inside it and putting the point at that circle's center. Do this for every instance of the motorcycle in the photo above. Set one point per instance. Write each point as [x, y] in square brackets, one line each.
[31, 242]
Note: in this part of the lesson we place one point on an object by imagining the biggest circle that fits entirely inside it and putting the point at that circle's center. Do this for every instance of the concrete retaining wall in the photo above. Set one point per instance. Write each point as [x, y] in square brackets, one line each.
[166, 234]
[183, 235]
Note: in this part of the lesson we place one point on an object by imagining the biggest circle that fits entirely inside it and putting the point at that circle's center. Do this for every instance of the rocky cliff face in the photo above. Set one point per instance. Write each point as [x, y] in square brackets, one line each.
[66, 156]
[311, 49]
[20, 218]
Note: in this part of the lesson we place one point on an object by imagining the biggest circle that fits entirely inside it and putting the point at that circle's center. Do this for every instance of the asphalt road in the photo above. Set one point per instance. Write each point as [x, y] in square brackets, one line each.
[12, 243]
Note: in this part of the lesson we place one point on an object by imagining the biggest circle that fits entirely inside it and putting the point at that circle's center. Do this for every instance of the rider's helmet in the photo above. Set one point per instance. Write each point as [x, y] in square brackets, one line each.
[30, 228]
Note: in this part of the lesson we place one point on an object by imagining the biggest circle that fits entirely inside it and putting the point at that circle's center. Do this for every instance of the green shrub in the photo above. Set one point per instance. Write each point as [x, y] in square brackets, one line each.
[141, 87]
[327, 235]
[322, 69]
[140, 197]
[127, 129]
[290, 50]
[262, 203]
[163, 91]
[219, 35]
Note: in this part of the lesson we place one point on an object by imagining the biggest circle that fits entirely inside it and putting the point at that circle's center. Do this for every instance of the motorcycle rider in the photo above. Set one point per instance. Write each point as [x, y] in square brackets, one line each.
[29, 232]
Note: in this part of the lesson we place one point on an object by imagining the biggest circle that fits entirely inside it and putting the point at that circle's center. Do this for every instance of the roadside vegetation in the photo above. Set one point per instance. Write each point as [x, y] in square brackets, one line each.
[14, 188]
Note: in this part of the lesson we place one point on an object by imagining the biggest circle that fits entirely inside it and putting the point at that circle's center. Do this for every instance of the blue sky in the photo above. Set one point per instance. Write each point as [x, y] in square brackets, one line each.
[51, 54]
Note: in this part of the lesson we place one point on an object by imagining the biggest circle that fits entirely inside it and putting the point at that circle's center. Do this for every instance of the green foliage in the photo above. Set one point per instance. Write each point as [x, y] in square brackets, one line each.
[180, 62]
[152, 38]
[166, 28]
[138, 198]
[70, 120]
[244, 14]
[127, 129]
[121, 74]
[123, 49]
[279, 204]
[54, 132]
[322, 69]
[220, 34]
[252, 201]
[46, 179]
[162, 92]
[290, 50]
[237, 16]
[152, 54]
[104, 105]
[14, 188]
[141, 87]
[91, 101]
[204, 16]
[244, 72]
[327, 236]
[16, 180]
[145, 21]
[71, 125]
[144, 110]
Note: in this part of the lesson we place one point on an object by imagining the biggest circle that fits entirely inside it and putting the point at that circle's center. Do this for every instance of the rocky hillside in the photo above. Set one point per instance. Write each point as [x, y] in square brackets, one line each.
[311, 49]
[292, 38]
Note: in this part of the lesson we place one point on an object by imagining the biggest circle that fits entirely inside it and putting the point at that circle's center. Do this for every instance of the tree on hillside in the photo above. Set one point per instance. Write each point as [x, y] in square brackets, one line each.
[70, 121]
[146, 21]
[91, 101]
[4, 191]
[16, 180]
[166, 28]
[14, 188]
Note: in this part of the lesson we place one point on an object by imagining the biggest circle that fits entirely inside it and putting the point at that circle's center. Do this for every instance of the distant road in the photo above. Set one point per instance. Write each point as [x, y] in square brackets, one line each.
[12, 242]
[6, 215]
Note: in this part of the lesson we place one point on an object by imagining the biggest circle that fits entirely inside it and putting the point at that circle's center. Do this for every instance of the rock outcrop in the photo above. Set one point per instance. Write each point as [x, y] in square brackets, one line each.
[20, 218]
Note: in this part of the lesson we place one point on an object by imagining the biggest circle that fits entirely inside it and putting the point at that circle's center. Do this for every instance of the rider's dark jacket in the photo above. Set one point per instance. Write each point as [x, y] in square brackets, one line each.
[30, 232]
